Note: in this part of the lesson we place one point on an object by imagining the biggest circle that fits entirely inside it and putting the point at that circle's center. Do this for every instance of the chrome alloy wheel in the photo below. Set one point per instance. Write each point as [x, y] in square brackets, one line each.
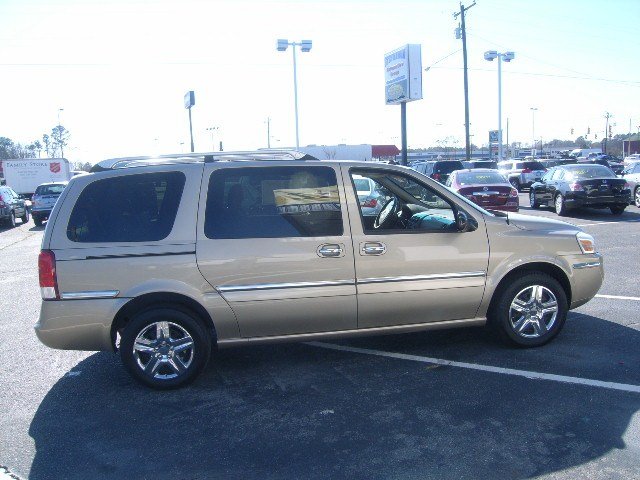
[163, 350]
[533, 311]
[637, 197]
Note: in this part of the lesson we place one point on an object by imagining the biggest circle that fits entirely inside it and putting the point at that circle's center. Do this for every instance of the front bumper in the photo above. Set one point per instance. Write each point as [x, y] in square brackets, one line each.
[586, 276]
[78, 324]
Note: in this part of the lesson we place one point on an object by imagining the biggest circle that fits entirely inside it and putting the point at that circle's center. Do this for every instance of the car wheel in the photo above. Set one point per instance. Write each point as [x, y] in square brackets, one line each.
[618, 209]
[165, 347]
[515, 183]
[37, 221]
[11, 221]
[532, 199]
[530, 311]
[25, 217]
[636, 197]
[561, 208]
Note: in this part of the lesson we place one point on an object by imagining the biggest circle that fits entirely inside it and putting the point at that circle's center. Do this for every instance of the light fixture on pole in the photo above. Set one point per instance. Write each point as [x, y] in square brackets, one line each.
[305, 46]
[507, 57]
[533, 128]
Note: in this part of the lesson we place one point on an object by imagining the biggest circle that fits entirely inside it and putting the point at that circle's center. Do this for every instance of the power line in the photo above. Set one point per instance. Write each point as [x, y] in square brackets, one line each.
[631, 83]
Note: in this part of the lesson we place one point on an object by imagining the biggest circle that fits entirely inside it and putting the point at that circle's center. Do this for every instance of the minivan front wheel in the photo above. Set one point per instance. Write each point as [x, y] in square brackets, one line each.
[530, 311]
[165, 348]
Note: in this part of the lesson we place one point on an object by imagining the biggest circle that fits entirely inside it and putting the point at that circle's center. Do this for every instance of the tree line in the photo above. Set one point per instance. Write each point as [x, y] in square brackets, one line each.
[52, 145]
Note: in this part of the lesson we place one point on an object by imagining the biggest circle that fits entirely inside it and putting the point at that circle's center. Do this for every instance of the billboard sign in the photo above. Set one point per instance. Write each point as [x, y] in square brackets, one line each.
[189, 99]
[493, 136]
[403, 75]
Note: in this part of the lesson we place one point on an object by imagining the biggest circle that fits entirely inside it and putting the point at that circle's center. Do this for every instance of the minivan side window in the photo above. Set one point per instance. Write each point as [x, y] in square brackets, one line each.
[131, 208]
[407, 206]
[273, 202]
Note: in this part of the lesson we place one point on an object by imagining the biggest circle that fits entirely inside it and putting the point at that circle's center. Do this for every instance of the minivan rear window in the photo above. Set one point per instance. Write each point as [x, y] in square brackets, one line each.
[533, 165]
[447, 167]
[131, 208]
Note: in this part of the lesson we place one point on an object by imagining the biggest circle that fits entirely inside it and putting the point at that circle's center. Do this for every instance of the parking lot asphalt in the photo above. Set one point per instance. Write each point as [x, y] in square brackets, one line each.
[442, 404]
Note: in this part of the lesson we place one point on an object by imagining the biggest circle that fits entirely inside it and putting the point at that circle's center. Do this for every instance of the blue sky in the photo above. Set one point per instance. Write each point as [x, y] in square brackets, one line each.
[120, 70]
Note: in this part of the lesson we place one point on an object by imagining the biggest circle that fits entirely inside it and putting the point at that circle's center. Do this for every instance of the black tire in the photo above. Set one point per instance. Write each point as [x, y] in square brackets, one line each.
[37, 220]
[25, 217]
[515, 183]
[617, 209]
[504, 318]
[560, 206]
[11, 221]
[636, 197]
[166, 368]
[532, 199]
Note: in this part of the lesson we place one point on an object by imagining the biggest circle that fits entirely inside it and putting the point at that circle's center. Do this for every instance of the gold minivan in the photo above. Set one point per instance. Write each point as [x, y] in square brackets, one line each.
[160, 259]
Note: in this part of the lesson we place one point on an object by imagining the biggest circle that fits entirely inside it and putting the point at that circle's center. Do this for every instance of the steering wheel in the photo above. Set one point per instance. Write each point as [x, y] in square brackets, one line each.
[388, 214]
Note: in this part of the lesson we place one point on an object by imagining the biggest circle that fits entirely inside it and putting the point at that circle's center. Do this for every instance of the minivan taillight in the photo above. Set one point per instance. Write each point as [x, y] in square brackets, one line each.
[47, 273]
[436, 176]
[527, 170]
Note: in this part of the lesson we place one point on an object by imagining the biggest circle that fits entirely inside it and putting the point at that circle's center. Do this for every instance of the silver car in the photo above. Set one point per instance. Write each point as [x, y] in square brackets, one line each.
[632, 175]
[44, 199]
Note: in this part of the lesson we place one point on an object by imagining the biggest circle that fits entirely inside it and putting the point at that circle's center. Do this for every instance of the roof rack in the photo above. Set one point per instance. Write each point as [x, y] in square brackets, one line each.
[208, 157]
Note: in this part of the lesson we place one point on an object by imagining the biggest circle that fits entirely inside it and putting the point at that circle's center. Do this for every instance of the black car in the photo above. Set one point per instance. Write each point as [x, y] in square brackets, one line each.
[483, 164]
[12, 207]
[590, 185]
[438, 170]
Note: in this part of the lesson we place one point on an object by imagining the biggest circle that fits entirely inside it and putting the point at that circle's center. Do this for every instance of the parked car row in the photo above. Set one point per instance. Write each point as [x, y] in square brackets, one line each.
[12, 206]
[562, 184]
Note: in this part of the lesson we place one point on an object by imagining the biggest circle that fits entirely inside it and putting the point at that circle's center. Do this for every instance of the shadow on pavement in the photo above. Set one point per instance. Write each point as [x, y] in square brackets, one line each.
[297, 411]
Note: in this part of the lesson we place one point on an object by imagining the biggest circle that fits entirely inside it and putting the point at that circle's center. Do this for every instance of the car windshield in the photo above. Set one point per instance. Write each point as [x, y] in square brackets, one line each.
[590, 171]
[50, 189]
[483, 178]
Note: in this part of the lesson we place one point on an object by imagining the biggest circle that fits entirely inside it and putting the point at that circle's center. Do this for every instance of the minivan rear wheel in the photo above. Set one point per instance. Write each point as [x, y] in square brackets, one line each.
[530, 311]
[165, 348]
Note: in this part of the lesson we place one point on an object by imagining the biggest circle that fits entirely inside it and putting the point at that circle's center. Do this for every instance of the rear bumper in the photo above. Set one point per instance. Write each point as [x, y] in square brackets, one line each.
[41, 213]
[580, 199]
[78, 324]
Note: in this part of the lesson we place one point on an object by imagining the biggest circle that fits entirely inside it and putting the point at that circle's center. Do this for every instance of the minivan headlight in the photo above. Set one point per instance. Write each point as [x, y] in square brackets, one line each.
[586, 242]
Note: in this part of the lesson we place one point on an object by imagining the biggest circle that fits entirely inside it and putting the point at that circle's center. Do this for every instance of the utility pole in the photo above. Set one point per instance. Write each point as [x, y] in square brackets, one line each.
[607, 115]
[463, 9]
[268, 132]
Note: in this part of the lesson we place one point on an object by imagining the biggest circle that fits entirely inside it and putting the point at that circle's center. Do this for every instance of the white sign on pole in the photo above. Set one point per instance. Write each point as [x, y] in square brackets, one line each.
[403, 75]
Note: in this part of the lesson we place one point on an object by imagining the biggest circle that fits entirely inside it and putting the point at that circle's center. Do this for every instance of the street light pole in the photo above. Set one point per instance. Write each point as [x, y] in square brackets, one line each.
[305, 46]
[507, 57]
[533, 128]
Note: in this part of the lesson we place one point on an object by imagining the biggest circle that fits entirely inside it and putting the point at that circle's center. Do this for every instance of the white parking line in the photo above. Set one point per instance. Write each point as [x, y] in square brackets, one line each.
[604, 223]
[484, 368]
[618, 297]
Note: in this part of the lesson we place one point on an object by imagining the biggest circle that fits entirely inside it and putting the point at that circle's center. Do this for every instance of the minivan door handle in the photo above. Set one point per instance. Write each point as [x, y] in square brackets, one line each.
[372, 248]
[330, 250]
